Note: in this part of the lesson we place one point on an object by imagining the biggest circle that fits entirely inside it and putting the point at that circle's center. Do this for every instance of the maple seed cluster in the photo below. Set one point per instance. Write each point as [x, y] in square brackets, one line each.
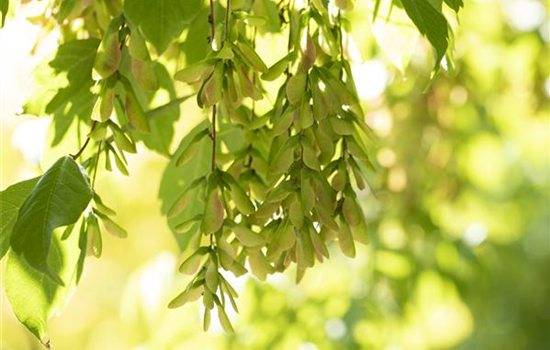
[291, 189]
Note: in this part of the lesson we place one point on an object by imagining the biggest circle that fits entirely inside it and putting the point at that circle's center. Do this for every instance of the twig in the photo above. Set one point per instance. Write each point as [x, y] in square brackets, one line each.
[75, 157]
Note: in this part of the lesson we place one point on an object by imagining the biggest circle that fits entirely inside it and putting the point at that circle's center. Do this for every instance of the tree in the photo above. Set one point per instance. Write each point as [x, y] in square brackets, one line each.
[268, 183]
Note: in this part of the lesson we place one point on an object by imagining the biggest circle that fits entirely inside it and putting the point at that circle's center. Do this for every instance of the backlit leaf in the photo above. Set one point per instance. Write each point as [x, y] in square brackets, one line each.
[11, 199]
[58, 199]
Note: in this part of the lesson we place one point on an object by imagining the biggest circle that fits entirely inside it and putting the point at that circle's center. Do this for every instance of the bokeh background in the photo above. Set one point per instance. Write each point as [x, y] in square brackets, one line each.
[458, 211]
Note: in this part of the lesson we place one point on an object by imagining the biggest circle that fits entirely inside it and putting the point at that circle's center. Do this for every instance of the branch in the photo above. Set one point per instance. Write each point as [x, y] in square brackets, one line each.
[75, 156]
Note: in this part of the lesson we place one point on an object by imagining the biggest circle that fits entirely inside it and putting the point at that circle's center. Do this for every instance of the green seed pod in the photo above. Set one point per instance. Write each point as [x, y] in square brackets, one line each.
[328, 235]
[251, 57]
[276, 70]
[259, 265]
[112, 227]
[309, 157]
[342, 126]
[94, 243]
[226, 53]
[192, 263]
[144, 75]
[121, 140]
[108, 55]
[320, 104]
[179, 205]
[307, 192]
[194, 73]
[350, 209]
[188, 224]
[241, 199]
[306, 116]
[187, 296]
[138, 48]
[295, 88]
[208, 299]
[360, 233]
[309, 54]
[211, 276]
[296, 213]
[224, 320]
[99, 133]
[282, 123]
[134, 112]
[102, 207]
[325, 216]
[282, 161]
[206, 320]
[345, 240]
[214, 85]
[247, 237]
[213, 213]
[288, 236]
[318, 244]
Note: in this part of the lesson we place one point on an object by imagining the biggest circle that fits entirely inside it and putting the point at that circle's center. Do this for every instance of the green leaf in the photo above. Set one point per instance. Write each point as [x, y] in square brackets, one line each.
[224, 320]
[161, 21]
[455, 4]
[431, 23]
[4, 6]
[268, 10]
[34, 297]
[162, 113]
[62, 85]
[11, 199]
[58, 199]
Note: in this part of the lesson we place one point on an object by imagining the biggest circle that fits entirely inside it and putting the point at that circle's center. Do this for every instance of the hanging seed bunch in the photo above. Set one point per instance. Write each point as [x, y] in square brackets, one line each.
[291, 190]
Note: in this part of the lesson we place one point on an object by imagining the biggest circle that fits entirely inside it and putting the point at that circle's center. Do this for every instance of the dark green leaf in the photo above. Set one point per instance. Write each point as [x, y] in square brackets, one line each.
[58, 199]
[455, 4]
[430, 23]
[11, 199]
[4, 7]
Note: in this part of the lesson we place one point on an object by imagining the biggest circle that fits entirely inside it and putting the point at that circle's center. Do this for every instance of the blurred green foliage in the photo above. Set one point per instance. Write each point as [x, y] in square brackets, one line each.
[458, 215]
